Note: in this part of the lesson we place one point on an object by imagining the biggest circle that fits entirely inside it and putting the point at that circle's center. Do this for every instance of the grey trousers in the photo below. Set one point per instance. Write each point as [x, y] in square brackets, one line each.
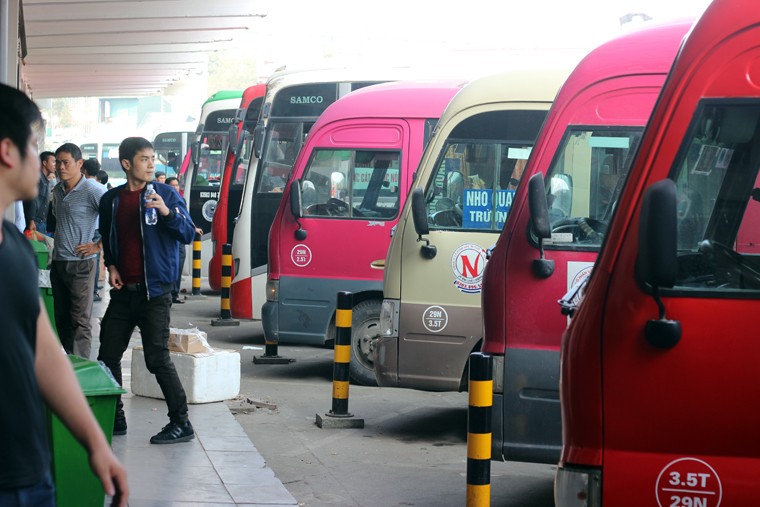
[72, 301]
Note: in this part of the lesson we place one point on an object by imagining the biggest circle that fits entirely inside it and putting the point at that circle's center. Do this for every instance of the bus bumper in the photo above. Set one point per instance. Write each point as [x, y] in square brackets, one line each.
[270, 321]
[386, 361]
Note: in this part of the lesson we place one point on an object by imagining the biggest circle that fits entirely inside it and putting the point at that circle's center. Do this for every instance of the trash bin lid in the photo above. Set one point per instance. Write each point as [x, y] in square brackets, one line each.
[94, 378]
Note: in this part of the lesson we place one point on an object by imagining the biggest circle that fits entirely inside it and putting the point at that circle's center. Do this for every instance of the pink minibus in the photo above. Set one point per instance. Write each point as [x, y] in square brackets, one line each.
[339, 210]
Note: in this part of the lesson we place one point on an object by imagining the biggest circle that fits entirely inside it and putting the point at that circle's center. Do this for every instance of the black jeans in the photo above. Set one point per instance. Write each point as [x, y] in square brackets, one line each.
[126, 310]
[178, 283]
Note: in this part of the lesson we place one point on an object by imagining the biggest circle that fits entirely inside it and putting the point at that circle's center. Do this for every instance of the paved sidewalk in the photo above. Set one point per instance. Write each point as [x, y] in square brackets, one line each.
[220, 466]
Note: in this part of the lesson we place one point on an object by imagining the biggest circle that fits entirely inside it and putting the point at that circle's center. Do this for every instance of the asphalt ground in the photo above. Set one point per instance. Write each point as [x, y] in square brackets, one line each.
[412, 450]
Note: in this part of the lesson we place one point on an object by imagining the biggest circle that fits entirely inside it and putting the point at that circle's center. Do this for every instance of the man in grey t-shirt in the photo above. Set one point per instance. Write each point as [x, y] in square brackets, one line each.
[73, 270]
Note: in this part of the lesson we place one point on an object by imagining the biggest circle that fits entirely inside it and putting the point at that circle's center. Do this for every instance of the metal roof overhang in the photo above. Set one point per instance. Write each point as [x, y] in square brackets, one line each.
[110, 48]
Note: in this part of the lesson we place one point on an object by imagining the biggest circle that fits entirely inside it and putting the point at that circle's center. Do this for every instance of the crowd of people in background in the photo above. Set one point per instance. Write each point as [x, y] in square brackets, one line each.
[69, 199]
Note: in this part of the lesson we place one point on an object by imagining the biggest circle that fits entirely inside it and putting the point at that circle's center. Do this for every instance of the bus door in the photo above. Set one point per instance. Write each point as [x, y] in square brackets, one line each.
[660, 388]
[205, 173]
[284, 141]
[240, 166]
[467, 200]
[582, 185]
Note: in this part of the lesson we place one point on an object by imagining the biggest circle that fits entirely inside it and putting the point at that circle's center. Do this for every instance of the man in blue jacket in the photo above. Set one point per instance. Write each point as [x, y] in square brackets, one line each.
[142, 262]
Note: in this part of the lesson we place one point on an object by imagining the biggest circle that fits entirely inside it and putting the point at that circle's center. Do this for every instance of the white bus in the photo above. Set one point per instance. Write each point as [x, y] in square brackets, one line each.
[293, 102]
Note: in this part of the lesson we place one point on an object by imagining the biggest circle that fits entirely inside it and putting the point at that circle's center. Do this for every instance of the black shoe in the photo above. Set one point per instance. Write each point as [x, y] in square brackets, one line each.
[173, 433]
[178, 301]
[120, 426]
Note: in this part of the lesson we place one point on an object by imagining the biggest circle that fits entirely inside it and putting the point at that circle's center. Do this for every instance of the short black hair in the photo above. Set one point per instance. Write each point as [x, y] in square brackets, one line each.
[159, 174]
[170, 179]
[102, 177]
[91, 166]
[70, 148]
[18, 114]
[46, 155]
[130, 146]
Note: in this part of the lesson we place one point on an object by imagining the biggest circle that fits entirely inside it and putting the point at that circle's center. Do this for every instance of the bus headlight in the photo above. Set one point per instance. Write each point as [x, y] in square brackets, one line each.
[273, 290]
[389, 318]
[578, 487]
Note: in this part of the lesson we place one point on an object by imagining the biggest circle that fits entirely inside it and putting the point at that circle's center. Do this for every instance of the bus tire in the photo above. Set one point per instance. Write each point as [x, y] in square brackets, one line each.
[365, 328]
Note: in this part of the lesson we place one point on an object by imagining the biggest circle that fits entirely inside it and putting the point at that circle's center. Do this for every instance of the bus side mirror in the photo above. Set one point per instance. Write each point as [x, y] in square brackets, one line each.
[657, 261]
[239, 147]
[195, 153]
[539, 220]
[258, 139]
[295, 207]
[419, 217]
[232, 135]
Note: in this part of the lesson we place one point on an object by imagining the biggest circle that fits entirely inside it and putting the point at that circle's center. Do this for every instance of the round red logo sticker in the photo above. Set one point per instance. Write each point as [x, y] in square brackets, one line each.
[467, 263]
[688, 482]
[301, 255]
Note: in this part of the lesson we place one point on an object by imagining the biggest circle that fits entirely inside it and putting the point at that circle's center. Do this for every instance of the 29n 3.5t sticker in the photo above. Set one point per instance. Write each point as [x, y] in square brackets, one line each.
[301, 255]
[435, 319]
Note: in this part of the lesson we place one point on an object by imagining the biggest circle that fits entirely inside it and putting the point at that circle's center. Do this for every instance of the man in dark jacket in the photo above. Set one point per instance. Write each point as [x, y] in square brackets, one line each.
[32, 367]
[142, 262]
[36, 210]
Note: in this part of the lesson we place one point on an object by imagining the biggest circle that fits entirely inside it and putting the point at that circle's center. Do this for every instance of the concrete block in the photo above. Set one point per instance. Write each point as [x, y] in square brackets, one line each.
[206, 377]
[330, 421]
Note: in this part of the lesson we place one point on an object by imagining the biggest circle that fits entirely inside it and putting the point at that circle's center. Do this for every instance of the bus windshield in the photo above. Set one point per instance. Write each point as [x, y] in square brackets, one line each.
[584, 182]
[168, 148]
[89, 150]
[211, 161]
[284, 140]
[352, 184]
[479, 169]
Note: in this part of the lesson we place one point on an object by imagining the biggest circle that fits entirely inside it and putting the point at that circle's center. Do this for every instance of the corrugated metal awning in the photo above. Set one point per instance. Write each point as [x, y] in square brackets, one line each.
[123, 47]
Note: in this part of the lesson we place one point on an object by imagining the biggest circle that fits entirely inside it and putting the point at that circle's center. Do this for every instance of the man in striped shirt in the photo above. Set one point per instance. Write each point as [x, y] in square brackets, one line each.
[73, 270]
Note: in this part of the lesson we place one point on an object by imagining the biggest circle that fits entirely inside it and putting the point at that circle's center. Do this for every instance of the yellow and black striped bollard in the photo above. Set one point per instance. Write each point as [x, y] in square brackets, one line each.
[479, 430]
[225, 315]
[197, 265]
[339, 417]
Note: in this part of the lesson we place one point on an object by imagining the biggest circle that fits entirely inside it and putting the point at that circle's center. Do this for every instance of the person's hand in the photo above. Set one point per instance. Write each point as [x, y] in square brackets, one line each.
[156, 201]
[112, 475]
[199, 231]
[31, 226]
[87, 249]
[114, 278]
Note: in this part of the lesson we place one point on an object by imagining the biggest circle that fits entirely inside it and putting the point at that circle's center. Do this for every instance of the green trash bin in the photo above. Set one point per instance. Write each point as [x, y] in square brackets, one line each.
[75, 483]
[43, 256]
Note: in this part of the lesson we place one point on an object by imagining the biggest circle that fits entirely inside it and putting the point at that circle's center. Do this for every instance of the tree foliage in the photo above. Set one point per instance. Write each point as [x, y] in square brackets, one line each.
[230, 70]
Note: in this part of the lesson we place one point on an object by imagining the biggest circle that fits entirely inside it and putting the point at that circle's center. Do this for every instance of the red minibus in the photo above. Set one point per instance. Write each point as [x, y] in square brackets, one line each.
[334, 223]
[584, 152]
[658, 365]
[236, 165]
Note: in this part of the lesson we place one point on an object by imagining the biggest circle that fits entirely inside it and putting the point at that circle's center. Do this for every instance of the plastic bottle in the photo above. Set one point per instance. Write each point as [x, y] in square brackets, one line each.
[151, 216]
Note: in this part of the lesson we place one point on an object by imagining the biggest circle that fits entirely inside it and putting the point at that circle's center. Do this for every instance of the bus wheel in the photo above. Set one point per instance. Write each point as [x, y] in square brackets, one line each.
[365, 328]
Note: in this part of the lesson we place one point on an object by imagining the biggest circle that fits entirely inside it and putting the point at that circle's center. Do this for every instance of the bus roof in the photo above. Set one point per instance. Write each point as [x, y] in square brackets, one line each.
[537, 85]
[644, 51]
[284, 79]
[224, 95]
[251, 93]
[410, 99]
